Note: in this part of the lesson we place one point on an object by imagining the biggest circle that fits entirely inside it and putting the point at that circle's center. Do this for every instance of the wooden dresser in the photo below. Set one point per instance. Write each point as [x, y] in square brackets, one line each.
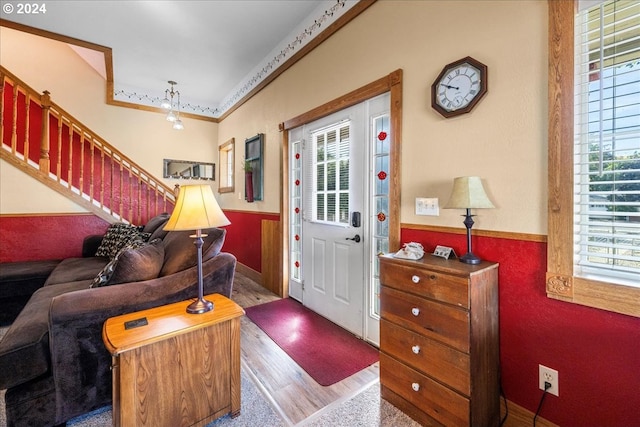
[172, 368]
[439, 342]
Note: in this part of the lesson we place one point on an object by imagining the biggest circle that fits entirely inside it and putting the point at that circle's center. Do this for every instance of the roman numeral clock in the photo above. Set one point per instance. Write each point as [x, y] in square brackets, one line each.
[459, 87]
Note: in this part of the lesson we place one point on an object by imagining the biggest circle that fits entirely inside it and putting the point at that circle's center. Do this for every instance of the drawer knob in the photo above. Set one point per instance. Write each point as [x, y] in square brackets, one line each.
[433, 277]
[415, 386]
[415, 349]
[415, 311]
[415, 279]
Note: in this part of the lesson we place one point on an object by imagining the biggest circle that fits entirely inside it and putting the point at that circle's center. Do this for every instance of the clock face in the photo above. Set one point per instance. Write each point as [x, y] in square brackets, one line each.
[459, 87]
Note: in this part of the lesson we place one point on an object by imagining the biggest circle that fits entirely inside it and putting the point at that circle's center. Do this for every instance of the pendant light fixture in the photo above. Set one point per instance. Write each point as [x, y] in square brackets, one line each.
[173, 110]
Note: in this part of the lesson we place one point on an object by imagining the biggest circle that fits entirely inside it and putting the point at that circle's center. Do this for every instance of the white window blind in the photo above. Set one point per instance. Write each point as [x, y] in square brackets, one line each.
[330, 174]
[607, 143]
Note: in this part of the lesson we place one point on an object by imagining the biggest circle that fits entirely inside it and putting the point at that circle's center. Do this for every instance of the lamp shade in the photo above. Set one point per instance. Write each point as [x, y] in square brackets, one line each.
[196, 209]
[467, 193]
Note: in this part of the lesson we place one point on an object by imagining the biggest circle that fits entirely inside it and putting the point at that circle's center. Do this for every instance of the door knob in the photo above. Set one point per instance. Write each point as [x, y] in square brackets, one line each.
[355, 238]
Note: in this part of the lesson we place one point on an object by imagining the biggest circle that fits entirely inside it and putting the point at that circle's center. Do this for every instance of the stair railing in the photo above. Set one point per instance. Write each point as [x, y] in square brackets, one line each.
[45, 141]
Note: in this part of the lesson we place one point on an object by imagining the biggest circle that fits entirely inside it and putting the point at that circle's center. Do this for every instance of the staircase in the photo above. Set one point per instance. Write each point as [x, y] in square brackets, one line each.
[49, 144]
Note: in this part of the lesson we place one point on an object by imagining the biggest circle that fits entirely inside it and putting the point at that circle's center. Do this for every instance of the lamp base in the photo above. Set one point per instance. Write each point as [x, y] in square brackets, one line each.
[200, 306]
[470, 258]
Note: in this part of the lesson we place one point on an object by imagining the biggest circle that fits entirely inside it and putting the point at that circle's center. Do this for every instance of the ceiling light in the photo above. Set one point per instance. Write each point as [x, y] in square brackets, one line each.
[173, 114]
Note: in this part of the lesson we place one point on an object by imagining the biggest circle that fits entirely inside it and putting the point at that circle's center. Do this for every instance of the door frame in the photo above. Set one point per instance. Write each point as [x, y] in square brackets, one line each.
[390, 83]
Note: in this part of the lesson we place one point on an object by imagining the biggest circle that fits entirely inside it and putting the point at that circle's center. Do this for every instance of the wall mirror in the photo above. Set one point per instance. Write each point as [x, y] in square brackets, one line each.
[185, 169]
[253, 152]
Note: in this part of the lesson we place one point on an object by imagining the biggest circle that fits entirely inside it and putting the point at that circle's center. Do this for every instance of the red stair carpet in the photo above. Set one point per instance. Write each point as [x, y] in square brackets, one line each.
[326, 351]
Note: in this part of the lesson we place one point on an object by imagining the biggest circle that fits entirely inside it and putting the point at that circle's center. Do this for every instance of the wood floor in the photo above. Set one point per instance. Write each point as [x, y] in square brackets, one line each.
[296, 396]
[292, 392]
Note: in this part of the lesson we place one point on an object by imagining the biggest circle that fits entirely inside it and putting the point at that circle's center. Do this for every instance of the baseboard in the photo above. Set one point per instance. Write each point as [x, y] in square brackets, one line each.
[519, 416]
[250, 273]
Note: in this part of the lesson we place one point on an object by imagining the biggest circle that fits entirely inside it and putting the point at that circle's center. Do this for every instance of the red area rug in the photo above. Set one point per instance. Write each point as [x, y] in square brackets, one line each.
[326, 351]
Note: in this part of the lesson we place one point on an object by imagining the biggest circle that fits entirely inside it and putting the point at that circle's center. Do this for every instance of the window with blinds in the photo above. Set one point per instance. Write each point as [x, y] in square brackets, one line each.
[331, 174]
[607, 142]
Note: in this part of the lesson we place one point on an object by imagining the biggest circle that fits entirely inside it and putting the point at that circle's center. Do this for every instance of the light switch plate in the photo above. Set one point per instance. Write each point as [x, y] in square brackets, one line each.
[427, 206]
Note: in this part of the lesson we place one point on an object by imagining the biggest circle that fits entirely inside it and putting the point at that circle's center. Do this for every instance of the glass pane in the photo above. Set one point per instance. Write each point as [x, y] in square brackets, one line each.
[382, 211]
[295, 262]
[344, 175]
[331, 207]
[320, 148]
[320, 207]
[331, 176]
[331, 145]
[344, 142]
[376, 297]
[320, 177]
[382, 171]
[382, 135]
[344, 208]
[382, 247]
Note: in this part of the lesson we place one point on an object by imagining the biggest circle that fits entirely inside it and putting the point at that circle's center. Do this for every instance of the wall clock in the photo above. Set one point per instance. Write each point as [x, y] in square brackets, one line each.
[459, 87]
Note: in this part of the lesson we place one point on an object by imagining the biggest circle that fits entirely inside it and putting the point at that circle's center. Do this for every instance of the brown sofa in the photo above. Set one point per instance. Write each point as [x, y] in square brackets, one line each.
[53, 362]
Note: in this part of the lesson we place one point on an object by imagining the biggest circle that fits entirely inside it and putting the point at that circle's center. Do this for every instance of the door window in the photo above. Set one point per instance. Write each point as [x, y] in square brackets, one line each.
[330, 198]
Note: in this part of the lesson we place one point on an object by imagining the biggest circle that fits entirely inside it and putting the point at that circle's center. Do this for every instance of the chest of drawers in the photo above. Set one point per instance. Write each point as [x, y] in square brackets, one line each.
[439, 342]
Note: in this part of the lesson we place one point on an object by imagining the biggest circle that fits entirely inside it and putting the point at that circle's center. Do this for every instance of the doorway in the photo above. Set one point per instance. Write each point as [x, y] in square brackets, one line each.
[383, 215]
[342, 165]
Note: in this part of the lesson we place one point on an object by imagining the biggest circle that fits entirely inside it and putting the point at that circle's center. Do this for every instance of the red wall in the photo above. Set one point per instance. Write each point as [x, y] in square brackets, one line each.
[243, 237]
[596, 352]
[43, 237]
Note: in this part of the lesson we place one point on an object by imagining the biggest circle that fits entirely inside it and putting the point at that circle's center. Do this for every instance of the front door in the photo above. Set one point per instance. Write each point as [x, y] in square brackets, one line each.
[334, 237]
[332, 254]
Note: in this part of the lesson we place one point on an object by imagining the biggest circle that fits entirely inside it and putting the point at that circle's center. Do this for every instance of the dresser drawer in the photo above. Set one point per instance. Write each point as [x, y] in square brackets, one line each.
[439, 402]
[444, 323]
[437, 360]
[428, 283]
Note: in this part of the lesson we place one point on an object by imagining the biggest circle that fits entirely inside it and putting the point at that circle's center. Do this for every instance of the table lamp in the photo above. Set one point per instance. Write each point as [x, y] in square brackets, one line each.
[468, 193]
[197, 209]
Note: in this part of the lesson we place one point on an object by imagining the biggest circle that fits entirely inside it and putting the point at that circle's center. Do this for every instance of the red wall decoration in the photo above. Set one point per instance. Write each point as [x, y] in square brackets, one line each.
[596, 352]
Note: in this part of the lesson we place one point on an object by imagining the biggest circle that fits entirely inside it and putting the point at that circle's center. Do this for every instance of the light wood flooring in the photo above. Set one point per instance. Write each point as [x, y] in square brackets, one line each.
[292, 392]
[297, 397]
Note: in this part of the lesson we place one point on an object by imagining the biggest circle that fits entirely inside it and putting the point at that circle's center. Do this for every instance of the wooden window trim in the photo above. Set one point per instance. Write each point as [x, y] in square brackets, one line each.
[223, 149]
[561, 284]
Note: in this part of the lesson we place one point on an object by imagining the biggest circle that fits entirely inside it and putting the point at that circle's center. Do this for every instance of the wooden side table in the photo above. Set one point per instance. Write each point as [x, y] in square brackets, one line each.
[172, 368]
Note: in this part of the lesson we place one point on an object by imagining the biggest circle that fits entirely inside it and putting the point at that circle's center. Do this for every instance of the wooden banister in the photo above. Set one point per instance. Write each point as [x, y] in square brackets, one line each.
[73, 160]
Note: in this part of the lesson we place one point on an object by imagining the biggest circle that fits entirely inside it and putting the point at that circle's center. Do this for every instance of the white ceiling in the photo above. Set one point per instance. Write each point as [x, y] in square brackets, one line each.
[216, 50]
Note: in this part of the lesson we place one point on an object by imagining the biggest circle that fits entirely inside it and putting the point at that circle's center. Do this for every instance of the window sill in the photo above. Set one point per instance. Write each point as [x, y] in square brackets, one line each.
[593, 293]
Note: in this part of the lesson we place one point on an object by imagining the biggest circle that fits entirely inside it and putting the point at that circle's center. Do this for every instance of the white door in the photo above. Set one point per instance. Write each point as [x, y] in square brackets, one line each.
[330, 193]
[333, 276]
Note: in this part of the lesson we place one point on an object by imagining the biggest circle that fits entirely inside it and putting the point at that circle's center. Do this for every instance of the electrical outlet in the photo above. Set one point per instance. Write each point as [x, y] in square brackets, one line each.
[550, 376]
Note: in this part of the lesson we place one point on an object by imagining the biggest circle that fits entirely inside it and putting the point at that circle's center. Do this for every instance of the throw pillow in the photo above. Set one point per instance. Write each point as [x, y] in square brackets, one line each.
[135, 262]
[118, 235]
[180, 253]
[156, 222]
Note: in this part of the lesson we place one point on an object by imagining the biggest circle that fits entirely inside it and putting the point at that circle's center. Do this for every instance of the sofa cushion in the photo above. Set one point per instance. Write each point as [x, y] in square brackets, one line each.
[118, 235]
[180, 252]
[74, 269]
[132, 264]
[24, 350]
[23, 278]
[157, 222]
